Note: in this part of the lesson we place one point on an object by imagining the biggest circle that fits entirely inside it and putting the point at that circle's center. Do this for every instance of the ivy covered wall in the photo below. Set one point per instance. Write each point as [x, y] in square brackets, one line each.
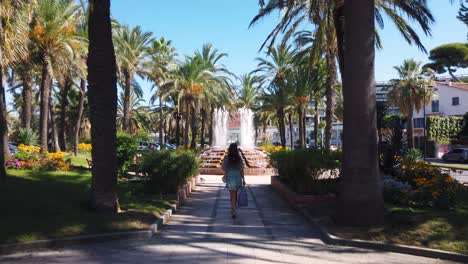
[443, 129]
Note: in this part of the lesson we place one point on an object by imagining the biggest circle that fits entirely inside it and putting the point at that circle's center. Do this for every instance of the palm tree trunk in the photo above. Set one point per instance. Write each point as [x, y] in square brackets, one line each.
[45, 96]
[3, 121]
[161, 121]
[281, 126]
[102, 96]
[27, 100]
[53, 125]
[316, 123]
[410, 129]
[203, 126]
[126, 110]
[330, 82]
[301, 126]
[76, 138]
[291, 129]
[63, 113]
[360, 198]
[210, 131]
[187, 123]
[304, 128]
[193, 143]
[177, 132]
[338, 20]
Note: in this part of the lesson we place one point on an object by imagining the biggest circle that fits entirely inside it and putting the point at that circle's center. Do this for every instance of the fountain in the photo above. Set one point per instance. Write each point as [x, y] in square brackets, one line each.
[220, 130]
[247, 129]
[255, 161]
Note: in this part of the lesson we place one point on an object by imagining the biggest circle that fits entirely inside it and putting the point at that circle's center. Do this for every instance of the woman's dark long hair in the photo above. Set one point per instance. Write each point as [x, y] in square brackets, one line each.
[234, 157]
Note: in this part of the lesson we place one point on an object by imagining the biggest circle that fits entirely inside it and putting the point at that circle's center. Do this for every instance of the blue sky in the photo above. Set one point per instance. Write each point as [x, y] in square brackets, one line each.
[190, 24]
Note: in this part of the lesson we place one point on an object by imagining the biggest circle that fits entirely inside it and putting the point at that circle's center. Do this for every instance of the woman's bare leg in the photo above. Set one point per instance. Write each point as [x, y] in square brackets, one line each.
[233, 202]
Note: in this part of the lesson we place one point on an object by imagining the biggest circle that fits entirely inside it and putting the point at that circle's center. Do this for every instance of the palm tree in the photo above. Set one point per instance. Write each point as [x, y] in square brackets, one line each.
[3, 121]
[297, 12]
[159, 68]
[216, 95]
[249, 91]
[360, 199]
[274, 71]
[300, 84]
[139, 116]
[17, 51]
[83, 20]
[102, 96]
[410, 92]
[54, 36]
[131, 45]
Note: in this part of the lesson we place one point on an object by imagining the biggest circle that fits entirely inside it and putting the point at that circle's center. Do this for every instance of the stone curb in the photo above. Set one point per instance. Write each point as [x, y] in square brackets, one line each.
[382, 246]
[88, 239]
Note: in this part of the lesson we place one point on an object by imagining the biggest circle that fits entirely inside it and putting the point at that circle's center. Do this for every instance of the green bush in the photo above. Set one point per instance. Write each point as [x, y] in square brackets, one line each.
[301, 169]
[26, 136]
[412, 155]
[142, 136]
[168, 170]
[126, 151]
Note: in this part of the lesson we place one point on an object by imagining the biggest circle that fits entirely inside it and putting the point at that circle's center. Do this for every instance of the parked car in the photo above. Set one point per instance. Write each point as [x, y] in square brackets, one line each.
[456, 155]
[147, 146]
[169, 146]
[13, 148]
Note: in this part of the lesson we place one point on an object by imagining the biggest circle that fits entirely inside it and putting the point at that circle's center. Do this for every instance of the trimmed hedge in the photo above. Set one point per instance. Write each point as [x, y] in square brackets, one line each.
[300, 169]
[168, 170]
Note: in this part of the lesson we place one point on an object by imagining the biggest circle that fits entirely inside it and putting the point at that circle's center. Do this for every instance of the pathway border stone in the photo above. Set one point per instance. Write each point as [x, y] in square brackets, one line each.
[183, 193]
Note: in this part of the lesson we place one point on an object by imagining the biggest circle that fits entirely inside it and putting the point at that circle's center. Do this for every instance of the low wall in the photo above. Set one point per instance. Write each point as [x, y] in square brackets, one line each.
[247, 171]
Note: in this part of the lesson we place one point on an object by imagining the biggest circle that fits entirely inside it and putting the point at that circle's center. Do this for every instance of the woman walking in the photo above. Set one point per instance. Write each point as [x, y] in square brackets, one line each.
[234, 172]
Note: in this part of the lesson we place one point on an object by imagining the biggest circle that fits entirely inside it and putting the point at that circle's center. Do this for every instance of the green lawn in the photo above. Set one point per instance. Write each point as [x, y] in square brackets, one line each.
[78, 161]
[450, 166]
[438, 229]
[41, 205]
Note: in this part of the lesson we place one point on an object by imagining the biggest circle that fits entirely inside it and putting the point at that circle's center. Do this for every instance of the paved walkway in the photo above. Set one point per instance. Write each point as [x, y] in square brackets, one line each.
[267, 231]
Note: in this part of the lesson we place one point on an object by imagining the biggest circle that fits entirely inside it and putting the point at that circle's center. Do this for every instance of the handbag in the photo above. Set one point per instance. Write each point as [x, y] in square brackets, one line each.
[242, 199]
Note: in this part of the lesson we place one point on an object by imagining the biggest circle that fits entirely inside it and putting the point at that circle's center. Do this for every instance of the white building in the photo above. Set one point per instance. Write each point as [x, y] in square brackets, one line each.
[451, 99]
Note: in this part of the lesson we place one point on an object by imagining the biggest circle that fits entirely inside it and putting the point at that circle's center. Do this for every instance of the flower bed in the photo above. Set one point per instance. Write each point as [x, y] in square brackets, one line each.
[419, 184]
[31, 157]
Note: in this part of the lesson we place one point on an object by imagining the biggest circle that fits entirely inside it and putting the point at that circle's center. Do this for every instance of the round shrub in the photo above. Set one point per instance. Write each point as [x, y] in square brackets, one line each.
[168, 170]
[126, 151]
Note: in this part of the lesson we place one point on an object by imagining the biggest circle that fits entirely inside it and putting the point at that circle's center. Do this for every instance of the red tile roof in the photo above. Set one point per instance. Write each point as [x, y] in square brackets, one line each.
[459, 85]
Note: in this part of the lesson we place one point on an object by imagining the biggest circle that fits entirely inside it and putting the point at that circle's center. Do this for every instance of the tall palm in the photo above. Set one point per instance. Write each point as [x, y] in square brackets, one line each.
[83, 20]
[299, 12]
[410, 92]
[139, 117]
[3, 121]
[218, 93]
[131, 45]
[17, 50]
[54, 36]
[300, 84]
[281, 59]
[102, 96]
[249, 91]
[360, 199]
[190, 78]
[158, 68]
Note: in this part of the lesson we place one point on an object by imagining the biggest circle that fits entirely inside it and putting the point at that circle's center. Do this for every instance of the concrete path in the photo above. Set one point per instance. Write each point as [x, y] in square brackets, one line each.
[267, 231]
